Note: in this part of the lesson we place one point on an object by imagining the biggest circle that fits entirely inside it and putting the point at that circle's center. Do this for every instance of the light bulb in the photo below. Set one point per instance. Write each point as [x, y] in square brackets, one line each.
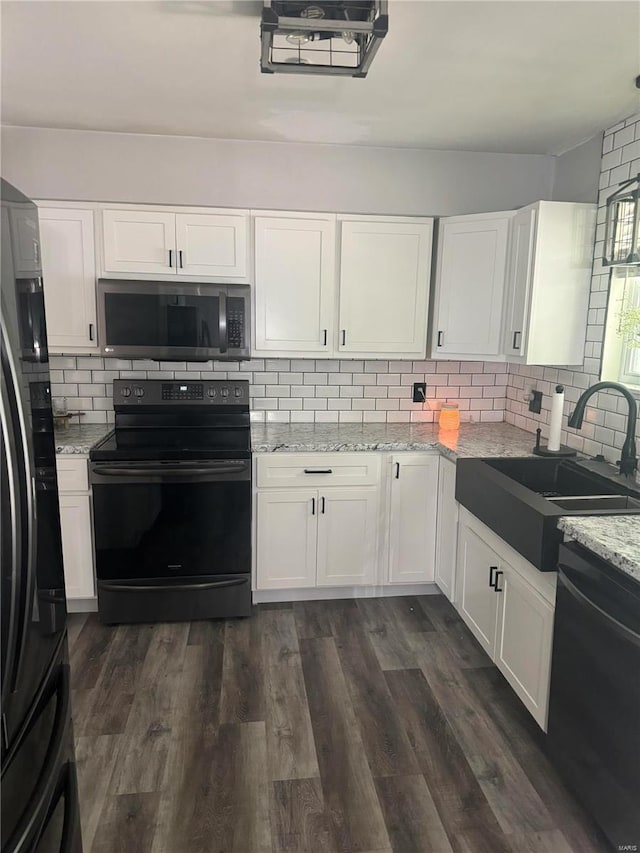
[298, 38]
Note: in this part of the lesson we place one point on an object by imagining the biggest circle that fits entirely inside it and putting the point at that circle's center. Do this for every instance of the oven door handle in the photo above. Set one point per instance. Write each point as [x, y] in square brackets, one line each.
[613, 623]
[183, 587]
[171, 472]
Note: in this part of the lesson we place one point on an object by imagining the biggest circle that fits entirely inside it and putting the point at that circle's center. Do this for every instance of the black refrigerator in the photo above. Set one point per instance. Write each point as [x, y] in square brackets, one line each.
[38, 782]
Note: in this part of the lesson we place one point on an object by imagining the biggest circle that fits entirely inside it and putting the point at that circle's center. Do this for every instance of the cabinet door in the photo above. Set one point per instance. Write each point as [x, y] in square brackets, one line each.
[286, 539]
[478, 600]
[470, 279]
[68, 269]
[77, 548]
[347, 536]
[294, 285]
[215, 245]
[525, 637]
[384, 287]
[139, 241]
[447, 528]
[520, 274]
[412, 526]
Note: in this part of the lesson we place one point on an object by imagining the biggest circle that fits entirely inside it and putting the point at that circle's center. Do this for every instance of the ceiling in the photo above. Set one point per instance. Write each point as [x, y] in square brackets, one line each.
[522, 77]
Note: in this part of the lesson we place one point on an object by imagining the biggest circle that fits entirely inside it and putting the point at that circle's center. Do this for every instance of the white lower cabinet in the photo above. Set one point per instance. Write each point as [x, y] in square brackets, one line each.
[478, 600]
[412, 518]
[312, 537]
[509, 606]
[447, 529]
[347, 536]
[76, 526]
[524, 642]
[287, 537]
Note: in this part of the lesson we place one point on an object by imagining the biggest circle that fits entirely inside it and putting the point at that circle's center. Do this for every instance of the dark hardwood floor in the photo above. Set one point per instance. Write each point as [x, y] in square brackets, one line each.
[350, 726]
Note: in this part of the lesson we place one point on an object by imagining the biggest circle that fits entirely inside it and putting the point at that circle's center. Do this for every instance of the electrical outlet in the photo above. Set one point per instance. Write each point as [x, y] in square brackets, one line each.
[535, 402]
[419, 392]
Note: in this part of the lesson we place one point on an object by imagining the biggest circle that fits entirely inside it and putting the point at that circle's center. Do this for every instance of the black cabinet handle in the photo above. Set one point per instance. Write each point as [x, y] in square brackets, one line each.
[324, 337]
[90, 331]
[492, 569]
[344, 337]
[397, 470]
[170, 257]
[318, 470]
[322, 510]
[516, 343]
[440, 338]
[180, 259]
[497, 578]
[313, 506]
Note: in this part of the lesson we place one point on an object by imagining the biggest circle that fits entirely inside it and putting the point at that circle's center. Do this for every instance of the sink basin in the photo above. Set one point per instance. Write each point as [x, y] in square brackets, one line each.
[522, 499]
[554, 477]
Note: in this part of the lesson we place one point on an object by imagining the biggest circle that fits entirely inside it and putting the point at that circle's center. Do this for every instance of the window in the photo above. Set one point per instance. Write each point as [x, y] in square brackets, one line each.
[621, 355]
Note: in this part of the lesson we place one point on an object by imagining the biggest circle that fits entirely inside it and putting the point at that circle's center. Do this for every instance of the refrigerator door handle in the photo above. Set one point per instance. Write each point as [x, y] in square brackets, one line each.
[22, 838]
[26, 599]
[9, 451]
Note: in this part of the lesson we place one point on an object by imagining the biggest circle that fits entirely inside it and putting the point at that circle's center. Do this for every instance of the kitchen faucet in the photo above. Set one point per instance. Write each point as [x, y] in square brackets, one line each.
[628, 462]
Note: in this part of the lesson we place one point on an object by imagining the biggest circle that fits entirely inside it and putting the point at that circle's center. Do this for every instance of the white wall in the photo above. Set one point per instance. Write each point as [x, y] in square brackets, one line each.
[88, 165]
[577, 172]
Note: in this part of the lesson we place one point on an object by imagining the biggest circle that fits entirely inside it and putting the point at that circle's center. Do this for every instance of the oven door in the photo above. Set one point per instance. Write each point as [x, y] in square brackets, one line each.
[173, 321]
[171, 521]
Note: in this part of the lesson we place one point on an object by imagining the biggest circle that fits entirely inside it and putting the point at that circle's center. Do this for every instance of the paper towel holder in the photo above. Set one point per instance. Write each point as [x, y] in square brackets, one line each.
[543, 450]
[562, 450]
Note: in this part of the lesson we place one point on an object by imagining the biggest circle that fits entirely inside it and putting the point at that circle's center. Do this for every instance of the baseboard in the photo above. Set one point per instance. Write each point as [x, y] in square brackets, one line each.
[268, 596]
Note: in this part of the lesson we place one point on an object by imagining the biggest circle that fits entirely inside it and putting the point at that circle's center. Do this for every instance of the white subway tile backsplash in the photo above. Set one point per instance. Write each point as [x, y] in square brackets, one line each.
[605, 417]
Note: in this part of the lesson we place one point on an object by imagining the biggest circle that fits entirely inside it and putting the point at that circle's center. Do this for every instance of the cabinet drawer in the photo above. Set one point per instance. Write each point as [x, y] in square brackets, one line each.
[318, 470]
[73, 474]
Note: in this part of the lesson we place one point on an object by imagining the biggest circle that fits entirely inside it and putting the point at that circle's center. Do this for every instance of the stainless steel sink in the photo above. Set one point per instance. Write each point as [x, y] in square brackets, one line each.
[597, 503]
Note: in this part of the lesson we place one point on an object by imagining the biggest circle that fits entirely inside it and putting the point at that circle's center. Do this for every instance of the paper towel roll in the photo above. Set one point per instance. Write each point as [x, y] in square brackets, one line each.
[555, 423]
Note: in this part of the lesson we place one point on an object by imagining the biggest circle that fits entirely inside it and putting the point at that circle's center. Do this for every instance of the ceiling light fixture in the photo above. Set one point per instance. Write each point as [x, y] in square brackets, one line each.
[333, 37]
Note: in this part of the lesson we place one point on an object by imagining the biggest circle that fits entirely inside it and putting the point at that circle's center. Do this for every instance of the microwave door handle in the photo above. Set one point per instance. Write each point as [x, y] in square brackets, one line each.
[224, 335]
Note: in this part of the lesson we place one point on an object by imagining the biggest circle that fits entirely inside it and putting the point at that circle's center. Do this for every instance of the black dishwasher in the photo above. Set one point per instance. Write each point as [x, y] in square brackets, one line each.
[594, 709]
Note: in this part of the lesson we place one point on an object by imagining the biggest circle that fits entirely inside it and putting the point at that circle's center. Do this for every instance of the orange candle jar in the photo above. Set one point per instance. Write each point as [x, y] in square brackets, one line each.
[449, 416]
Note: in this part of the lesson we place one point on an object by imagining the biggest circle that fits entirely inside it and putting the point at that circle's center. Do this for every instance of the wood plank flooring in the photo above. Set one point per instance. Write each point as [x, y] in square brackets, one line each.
[365, 726]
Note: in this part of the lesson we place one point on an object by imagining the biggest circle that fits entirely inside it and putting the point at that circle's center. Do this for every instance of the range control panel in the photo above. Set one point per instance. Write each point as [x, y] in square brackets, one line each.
[160, 392]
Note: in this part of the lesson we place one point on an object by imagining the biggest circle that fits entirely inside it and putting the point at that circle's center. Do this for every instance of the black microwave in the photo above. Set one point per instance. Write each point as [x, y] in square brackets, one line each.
[172, 321]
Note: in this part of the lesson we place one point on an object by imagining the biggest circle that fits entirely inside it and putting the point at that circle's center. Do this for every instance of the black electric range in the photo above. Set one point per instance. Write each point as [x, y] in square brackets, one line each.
[172, 502]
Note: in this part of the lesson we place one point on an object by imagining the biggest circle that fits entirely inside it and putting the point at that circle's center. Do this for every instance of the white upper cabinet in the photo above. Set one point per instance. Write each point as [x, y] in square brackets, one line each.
[548, 283]
[147, 241]
[69, 273]
[295, 259]
[470, 283]
[139, 241]
[412, 517]
[385, 266]
[214, 245]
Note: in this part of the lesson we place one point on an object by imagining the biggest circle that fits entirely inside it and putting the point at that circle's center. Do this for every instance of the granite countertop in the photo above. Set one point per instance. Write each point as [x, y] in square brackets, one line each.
[615, 538]
[474, 440]
[80, 439]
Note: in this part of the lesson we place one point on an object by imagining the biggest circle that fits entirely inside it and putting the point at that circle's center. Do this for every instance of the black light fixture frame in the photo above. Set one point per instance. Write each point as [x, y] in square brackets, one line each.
[623, 212]
[367, 34]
